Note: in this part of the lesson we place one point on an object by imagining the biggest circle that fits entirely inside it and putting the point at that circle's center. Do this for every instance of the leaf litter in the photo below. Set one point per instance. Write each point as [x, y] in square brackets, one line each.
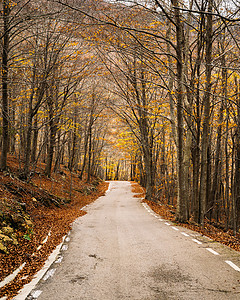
[36, 209]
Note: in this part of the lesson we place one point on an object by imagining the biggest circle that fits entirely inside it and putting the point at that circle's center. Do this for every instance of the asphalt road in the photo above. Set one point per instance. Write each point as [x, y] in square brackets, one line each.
[121, 250]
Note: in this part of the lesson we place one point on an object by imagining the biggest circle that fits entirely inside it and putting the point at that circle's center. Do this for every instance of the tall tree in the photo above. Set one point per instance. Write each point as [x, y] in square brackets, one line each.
[5, 70]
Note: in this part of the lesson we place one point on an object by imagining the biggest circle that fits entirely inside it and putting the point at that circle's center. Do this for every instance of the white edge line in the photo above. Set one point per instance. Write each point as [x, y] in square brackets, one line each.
[59, 260]
[212, 251]
[36, 294]
[184, 233]
[109, 187]
[25, 291]
[45, 240]
[10, 277]
[49, 273]
[175, 228]
[231, 264]
[64, 247]
[166, 223]
[196, 241]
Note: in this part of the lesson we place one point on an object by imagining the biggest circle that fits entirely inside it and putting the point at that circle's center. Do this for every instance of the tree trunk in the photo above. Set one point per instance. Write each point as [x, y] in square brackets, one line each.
[216, 174]
[74, 141]
[28, 143]
[181, 201]
[52, 137]
[206, 116]
[35, 140]
[236, 195]
[5, 115]
[171, 76]
[89, 154]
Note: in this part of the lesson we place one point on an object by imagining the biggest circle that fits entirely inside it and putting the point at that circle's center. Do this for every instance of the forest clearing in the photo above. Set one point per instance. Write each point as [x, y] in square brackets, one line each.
[96, 91]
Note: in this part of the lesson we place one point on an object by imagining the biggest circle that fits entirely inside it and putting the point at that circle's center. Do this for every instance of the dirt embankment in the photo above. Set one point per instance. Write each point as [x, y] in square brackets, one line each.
[35, 215]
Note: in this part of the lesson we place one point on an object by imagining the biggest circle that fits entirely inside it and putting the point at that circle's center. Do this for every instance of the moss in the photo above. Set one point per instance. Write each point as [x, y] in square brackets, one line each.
[3, 248]
[5, 238]
[7, 230]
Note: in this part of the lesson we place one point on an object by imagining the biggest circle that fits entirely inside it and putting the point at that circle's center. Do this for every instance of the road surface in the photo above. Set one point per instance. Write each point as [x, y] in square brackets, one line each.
[121, 250]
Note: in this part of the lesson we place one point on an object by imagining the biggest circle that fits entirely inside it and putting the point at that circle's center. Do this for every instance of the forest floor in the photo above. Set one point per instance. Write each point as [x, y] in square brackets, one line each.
[34, 217]
[215, 232]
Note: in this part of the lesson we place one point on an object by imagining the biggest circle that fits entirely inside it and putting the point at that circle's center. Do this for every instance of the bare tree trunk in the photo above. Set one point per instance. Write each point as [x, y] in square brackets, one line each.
[45, 143]
[28, 142]
[236, 146]
[216, 174]
[181, 201]
[73, 151]
[89, 154]
[227, 177]
[171, 76]
[206, 116]
[196, 152]
[5, 69]
[60, 151]
[12, 138]
[35, 140]
[52, 136]
[86, 144]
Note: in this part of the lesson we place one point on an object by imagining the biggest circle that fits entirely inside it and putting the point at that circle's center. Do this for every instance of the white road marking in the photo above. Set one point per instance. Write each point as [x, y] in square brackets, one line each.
[151, 212]
[196, 241]
[59, 260]
[212, 251]
[184, 233]
[231, 264]
[67, 239]
[45, 240]
[36, 294]
[49, 274]
[84, 207]
[64, 247]
[10, 277]
[24, 292]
